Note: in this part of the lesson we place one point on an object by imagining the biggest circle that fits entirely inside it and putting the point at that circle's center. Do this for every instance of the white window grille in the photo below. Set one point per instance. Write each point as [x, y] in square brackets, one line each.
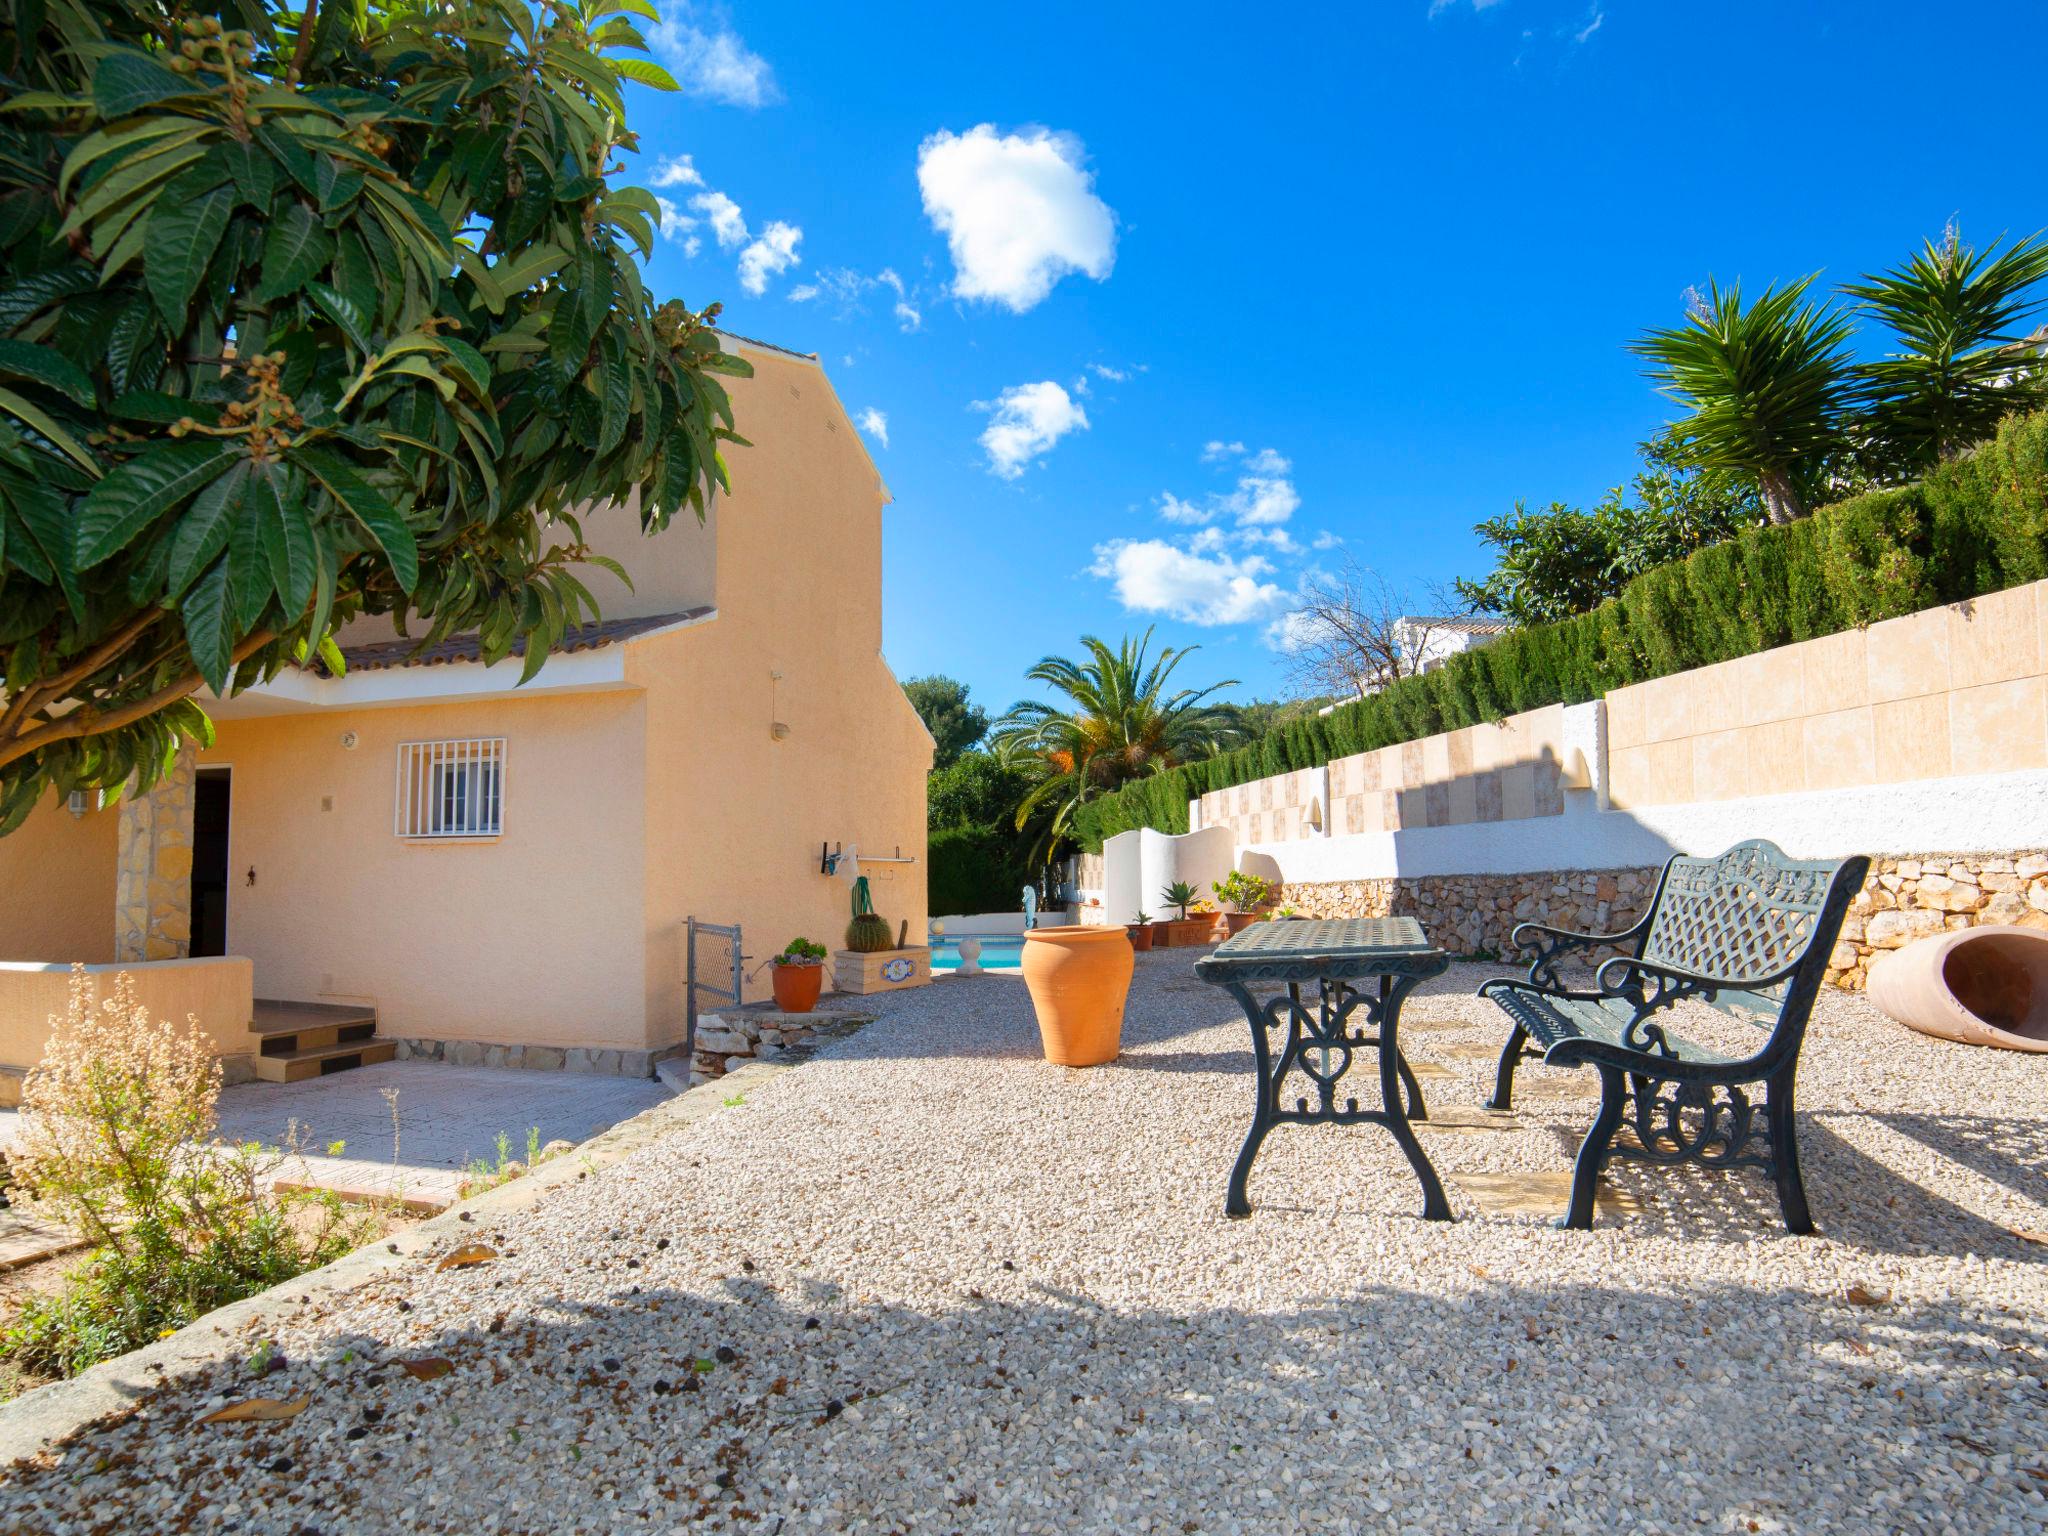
[451, 788]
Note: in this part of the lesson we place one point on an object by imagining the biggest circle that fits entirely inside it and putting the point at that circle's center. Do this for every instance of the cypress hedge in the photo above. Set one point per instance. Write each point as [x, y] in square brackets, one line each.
[978, 868]
[1975, 525]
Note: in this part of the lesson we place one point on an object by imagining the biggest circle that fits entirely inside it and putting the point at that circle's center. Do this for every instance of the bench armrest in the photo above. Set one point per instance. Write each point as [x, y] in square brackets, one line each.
[1649, 988]
[1551, 943]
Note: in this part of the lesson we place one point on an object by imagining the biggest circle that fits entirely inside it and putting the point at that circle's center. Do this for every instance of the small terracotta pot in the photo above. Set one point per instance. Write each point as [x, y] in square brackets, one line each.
[1141, 935]
[797, 986]
[1078, 979]
[1982, 986]
[1237, 922]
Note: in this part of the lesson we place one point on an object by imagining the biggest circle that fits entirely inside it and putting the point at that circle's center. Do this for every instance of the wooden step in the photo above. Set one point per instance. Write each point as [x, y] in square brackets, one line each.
[319, 1060]
[288, 1028]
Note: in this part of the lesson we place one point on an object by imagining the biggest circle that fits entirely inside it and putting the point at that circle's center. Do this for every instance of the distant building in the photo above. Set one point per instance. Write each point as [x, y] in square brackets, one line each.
[1427, 641]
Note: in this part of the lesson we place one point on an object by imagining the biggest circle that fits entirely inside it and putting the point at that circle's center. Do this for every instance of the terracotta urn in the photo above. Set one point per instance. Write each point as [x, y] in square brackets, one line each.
[797, 986]
[1982, 986]
[1141, 935]
[1078, 979]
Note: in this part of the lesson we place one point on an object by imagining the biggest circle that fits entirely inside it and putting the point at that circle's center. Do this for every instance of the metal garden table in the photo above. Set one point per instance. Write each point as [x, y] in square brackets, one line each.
[1354, 963]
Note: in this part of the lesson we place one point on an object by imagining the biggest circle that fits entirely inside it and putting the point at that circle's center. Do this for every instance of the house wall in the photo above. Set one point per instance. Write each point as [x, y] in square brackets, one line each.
[736, 816]
[532, 937]
[214, 993]
[57, 885]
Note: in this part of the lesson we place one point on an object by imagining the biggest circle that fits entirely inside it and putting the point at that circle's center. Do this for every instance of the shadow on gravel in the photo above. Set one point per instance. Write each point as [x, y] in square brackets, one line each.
[2010, 1152]
[1012, 1405]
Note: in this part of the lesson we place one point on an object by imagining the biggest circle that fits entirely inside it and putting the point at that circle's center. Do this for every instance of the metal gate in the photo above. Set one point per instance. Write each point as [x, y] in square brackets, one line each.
[711, 968]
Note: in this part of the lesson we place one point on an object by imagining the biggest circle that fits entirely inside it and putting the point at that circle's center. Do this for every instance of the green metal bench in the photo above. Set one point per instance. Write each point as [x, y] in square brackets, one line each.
[1748, 933]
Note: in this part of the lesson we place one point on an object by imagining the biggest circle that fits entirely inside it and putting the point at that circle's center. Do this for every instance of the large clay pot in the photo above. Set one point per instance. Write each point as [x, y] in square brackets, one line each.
[797, 986]
[1141, 935]
[1982, 986]
[1078, 979]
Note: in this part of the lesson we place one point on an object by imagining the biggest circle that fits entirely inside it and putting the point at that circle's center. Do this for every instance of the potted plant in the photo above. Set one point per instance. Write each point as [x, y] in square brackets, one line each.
[1246, 894]
[1184, 929]
[1079, 978]
[1140, 930]
[798, 974]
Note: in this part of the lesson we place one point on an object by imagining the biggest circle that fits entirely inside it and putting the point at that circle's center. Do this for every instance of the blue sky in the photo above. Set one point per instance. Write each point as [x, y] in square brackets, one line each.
[1334, 282]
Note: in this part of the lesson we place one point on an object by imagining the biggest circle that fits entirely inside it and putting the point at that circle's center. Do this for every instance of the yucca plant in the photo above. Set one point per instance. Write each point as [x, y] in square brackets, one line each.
[1767, 386]
[309, 312]
[1965, 363]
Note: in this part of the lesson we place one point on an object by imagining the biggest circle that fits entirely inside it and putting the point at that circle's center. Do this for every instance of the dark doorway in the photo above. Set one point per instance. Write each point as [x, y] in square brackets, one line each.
[210, 863]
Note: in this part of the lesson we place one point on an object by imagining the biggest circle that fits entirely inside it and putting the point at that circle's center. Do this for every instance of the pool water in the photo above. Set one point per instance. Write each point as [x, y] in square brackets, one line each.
[1002, 953]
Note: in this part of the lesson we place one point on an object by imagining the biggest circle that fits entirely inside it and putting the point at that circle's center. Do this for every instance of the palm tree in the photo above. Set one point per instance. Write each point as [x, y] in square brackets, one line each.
[1114, 722]
[1960, 313]
[1768, 386]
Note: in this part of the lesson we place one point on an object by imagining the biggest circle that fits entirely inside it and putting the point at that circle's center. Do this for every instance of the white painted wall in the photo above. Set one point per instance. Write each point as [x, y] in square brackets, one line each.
[1139, 864]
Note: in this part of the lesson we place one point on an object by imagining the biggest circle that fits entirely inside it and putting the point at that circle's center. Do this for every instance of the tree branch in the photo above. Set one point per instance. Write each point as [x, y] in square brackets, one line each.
[85, 722]
[34, 697]
[302, 55]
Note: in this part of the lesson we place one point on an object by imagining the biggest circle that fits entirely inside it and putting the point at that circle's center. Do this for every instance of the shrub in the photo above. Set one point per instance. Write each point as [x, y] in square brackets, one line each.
[118, 1143]
[977, 869]
[1975, 525]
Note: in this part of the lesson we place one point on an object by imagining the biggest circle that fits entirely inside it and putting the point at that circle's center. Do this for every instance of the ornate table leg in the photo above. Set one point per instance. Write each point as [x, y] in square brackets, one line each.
[1235, 1200]
[1392, 1070]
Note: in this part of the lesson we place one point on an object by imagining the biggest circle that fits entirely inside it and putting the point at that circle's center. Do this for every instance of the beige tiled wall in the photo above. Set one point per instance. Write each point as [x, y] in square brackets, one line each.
[1501, 771]
[1956, 690]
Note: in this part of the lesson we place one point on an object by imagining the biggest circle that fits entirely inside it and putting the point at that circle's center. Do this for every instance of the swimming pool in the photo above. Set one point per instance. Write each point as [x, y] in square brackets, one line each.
[999, 952]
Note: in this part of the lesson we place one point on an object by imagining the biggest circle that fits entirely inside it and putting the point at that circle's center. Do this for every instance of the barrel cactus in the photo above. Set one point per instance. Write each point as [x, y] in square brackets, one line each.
[868, 933]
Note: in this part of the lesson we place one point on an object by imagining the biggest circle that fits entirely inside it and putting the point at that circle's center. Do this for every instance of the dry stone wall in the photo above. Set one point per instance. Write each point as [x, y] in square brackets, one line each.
[1903, 899]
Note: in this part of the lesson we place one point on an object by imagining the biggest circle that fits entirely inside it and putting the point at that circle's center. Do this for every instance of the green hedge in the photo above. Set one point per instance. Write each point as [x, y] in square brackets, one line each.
[1974, 526]
[977, 869]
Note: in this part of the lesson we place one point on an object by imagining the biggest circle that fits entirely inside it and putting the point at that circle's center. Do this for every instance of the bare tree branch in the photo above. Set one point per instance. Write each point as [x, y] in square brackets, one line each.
[1354, 632]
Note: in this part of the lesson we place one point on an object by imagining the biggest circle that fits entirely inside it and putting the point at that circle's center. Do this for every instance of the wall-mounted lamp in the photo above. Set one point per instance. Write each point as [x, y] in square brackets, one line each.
[75, 803]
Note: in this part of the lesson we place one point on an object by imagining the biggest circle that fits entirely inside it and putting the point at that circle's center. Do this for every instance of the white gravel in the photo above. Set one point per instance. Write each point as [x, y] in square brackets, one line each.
[966, 1291]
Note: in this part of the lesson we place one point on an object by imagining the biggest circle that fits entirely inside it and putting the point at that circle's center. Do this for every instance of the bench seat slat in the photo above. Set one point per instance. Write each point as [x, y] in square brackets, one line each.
[1551, 1019]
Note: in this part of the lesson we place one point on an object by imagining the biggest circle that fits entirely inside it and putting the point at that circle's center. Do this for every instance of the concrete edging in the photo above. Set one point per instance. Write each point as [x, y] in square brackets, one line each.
[39, 1420]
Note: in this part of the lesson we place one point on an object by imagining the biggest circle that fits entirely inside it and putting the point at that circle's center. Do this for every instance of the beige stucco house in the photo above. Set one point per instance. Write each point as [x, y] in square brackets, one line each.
[504, 873]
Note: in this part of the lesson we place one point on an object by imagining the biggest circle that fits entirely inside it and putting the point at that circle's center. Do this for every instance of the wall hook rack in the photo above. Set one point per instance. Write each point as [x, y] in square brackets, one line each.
[829, 855]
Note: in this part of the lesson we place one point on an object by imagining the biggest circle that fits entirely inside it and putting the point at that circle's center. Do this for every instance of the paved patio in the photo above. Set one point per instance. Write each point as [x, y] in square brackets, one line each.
[446, 1118]
[926, 1283]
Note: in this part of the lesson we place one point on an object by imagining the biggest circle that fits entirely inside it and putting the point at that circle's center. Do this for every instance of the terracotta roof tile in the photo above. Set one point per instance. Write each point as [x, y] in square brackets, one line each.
[381, 655]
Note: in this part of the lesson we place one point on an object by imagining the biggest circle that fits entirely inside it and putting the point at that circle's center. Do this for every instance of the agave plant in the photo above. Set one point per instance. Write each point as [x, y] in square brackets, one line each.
[1965, 362]
[1767, 384]
[1115, 722]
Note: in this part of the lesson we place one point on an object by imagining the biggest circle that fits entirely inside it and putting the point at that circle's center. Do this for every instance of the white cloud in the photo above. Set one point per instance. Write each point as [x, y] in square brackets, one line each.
[1438, 7]
[1293, 629]
[676, 171]
[875, 424]
[770, 256]
[1263, 498]
[1153, 576]
[1108, 374]
[908, 316]
[1599, 18]
[1325, 540]
[888, 277]
[1018, 210]
[803, 293]
[1024, 423]
[727, 223]
[677, 225]
[711, 61]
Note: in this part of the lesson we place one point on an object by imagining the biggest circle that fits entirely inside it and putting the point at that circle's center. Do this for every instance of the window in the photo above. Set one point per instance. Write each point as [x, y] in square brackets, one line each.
[451, 788]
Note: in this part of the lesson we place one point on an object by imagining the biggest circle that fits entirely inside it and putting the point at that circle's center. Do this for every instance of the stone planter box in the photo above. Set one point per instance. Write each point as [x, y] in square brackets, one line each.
[881, 970]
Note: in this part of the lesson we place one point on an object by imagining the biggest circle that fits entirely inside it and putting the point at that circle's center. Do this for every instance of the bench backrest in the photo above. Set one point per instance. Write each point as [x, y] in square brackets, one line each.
[1750, 914]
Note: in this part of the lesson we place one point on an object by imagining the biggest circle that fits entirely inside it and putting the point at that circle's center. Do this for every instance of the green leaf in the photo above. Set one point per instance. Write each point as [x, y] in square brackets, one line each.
[128, 80]
[645, 72]
[35, 416]
[23, 360]
[344, 313]
[288, 544]
[295, 249]
[181, 240]
[289, 153]
[249, 583]
[203, 530]
[155, 405]
[45, 518]
[253, 170]
[132, 497]
[366, 504]
[209, 628]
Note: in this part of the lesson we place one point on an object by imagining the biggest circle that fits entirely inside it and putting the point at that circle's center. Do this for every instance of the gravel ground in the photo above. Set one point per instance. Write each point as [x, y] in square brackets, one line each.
[927, 1283]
